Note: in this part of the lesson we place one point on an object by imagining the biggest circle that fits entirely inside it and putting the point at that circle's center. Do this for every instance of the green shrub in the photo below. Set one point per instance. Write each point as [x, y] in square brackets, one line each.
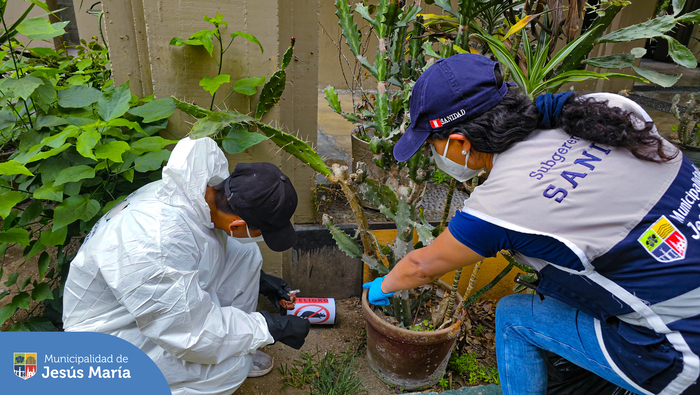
[73, 145]
[467, 365]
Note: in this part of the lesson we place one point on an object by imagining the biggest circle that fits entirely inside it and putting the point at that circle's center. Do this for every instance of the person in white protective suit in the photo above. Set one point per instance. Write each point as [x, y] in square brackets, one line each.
[171, 269]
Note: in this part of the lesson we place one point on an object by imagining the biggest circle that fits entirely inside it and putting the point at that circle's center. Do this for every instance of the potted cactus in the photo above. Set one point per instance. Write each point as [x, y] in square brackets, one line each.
[380, 114]
[402, 350]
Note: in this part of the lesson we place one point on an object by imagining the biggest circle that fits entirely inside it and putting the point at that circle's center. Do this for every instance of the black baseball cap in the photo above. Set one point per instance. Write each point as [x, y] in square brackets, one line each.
[265, 199]
[452, 90]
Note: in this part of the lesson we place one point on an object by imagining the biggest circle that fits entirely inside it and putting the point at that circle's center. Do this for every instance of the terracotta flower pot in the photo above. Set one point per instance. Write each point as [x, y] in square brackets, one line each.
[410, 359]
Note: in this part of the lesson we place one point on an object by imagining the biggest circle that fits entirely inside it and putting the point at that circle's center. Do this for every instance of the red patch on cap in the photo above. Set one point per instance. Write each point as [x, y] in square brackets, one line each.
[435, 123]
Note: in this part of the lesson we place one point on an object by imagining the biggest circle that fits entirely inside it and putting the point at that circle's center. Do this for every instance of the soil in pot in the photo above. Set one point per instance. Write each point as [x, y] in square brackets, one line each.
[409, 359]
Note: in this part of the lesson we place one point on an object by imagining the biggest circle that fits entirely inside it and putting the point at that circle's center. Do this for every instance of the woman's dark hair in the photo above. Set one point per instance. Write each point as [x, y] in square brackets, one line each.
[595, 121]
[516, 116]
[220, 199]
[508, 122]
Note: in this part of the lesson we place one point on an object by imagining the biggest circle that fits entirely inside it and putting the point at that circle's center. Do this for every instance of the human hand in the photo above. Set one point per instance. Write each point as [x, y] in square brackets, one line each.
[375, 294]
[277, 292]
[288, 329]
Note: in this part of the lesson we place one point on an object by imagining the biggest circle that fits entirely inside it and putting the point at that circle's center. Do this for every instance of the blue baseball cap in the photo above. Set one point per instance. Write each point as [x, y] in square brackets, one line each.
[457, 88]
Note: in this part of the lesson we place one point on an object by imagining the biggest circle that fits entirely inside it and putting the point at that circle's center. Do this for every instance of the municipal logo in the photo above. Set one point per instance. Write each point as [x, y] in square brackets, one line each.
[24, 364]
[663, 241]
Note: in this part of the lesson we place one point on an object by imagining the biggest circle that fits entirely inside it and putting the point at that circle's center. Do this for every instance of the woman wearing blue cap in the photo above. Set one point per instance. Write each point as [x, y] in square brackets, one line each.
[587, 193]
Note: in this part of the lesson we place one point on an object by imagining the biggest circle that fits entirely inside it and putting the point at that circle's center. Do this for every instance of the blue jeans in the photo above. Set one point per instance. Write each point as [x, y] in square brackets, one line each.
[526, 328]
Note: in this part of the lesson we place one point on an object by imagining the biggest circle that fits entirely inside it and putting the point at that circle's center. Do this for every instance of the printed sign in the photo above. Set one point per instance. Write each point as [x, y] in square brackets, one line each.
[77, 363]
[316, 310]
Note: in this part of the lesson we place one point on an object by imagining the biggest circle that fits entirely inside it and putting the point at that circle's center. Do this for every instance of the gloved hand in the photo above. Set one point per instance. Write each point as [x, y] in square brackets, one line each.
[376, 295]
[288, 329]
[275, 289]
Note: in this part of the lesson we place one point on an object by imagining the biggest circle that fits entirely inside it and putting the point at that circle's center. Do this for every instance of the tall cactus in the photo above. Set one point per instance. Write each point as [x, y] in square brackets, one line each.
[399, 196]
[390, 22]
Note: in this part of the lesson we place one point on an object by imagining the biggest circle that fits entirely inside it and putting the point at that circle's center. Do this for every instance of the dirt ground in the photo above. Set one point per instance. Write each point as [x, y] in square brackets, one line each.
[347, 332]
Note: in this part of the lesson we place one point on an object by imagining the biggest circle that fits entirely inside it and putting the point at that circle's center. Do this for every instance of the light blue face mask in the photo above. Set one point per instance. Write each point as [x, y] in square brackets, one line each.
[459, 172]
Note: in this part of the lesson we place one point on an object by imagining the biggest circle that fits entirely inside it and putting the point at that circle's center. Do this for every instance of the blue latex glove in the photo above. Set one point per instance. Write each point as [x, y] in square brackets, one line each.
[375, 295]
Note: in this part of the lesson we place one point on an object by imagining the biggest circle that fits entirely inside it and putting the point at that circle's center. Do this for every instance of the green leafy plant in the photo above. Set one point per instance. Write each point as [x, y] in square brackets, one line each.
[537, 77]
[479, 329]
[439, 176]
[457, 25]
[72, 145]
[9, 32]
[544, 72]
[653, 29]
[330, 374]
[205, 38]
[231, 128]
[423, 326]
[467, 365]
[444, 383]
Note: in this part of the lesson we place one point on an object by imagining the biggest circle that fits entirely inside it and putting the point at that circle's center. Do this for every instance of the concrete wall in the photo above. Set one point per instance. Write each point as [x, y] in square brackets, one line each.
[138, 33]
[319, 268]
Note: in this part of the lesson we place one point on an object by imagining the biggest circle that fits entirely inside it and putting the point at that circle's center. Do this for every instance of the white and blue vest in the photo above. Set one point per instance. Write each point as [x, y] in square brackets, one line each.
[613, 236]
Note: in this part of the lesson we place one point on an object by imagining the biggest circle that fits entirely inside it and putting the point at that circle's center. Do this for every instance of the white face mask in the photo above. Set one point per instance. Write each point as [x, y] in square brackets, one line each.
[459, 172]
[242, 240]
[249, 239]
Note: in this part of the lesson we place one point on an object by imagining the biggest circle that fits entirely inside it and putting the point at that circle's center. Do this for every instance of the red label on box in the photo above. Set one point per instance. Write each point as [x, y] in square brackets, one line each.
[312, 300]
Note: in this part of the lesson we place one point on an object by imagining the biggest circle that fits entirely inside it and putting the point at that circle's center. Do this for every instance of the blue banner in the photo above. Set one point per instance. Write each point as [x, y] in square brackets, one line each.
[76, 363]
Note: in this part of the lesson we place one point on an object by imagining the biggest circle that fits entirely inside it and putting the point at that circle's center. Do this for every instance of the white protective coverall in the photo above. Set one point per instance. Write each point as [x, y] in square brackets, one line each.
[152, 272]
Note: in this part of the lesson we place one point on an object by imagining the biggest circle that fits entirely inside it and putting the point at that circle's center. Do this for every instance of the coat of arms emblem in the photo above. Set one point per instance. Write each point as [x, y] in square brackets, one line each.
[24, 364]
[663, 241]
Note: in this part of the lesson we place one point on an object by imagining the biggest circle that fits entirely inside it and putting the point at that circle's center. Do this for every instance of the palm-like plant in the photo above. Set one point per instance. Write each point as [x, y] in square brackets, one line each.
[538, 76]
[470, 14]
[547, 72]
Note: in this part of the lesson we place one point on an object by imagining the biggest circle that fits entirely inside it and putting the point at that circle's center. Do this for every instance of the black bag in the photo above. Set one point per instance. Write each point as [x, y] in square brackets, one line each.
[566, 378]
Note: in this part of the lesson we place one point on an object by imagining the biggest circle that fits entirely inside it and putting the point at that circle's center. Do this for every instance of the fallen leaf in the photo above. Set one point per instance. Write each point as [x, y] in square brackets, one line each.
[425, 287]
[467, 324]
